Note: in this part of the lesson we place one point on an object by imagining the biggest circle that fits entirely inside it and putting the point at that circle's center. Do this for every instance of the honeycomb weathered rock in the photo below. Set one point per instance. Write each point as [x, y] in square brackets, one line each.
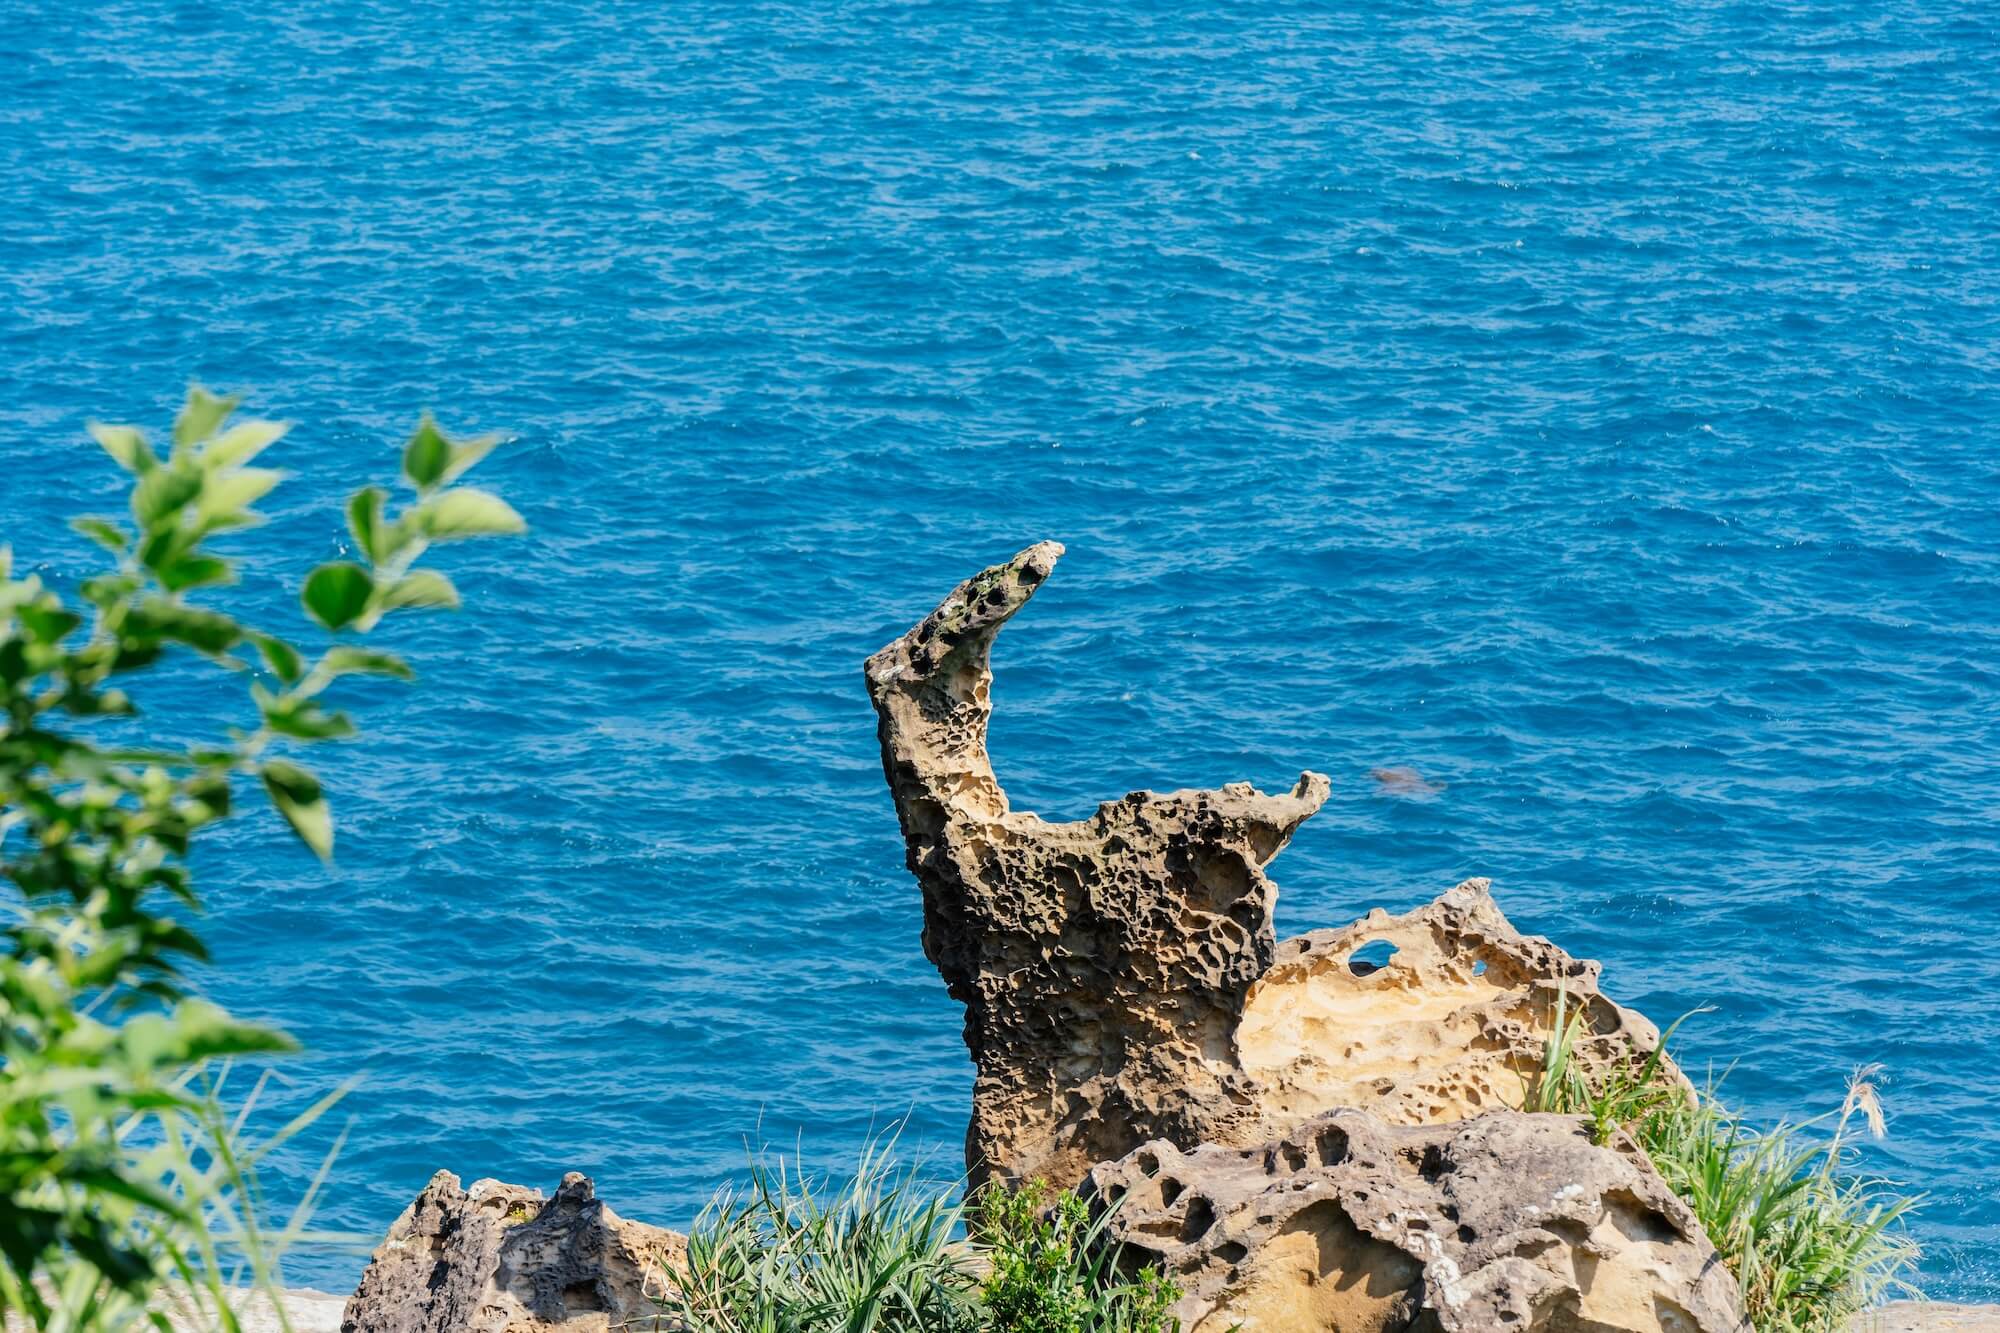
[1121, 977]
[1350, 1225]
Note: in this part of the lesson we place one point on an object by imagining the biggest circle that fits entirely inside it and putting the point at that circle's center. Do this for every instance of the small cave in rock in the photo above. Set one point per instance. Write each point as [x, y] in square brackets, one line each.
[1200, 1216]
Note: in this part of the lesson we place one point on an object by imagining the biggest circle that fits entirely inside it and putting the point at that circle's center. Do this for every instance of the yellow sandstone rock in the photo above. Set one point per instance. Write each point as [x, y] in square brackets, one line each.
[1312, 1136]
[1120, 973]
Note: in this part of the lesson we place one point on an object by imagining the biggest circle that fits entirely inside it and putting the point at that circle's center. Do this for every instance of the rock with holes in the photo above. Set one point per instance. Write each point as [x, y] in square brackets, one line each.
[1435, 1015]
[1349, 1224]
[500, 1258]
[1120, 974]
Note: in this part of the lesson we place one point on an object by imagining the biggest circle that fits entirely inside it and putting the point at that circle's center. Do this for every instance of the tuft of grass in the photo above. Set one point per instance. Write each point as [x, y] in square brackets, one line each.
[788, 1254]
[1054, 1270]
[1811, 1242]
[881, 1253]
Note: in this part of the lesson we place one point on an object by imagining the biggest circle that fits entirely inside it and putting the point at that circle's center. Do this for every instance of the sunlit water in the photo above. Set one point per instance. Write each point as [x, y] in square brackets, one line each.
[1590, 409]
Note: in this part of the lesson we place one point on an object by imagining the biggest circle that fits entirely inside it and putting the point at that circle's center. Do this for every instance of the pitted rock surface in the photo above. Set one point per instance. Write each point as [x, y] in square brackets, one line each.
[499, 1258]
[1102, 963]
[1351, 1225]
[1451, 1025]
[1121, 976]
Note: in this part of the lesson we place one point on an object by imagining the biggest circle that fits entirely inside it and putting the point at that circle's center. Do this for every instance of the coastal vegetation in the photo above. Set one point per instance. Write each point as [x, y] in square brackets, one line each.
[126, 1177]
[879, 1254]
[1055, 1270]
[786, 1252]
[1811, 1242]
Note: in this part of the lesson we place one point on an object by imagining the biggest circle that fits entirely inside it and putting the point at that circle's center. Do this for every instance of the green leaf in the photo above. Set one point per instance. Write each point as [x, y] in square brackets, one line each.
[211, 790]
[106, 590]
[111, 703]
[242, 518]
[465, 455]
[420, 589]
[210, 1033]
[297, 796]
[107, 1180]
[48, 624]
[96, 1244]
[281, 657]
[193, 1031]
[125, 444]
[466, 512]
[195, 571]
[164, 545]
[242, 442]
[336, 594]
[162, 493]
[205, 631]
[301, 718]
[364, 520]
[345, 661]
[135, 652]
[201, 415]
[427, 455]
[229, 493]
[103, 532]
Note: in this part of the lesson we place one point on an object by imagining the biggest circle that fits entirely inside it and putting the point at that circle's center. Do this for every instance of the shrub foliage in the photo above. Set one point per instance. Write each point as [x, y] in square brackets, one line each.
[1053, 1270]
[118, 1169]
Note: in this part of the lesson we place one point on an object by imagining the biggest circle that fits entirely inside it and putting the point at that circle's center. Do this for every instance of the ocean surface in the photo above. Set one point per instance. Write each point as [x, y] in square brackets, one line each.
[1592, 408]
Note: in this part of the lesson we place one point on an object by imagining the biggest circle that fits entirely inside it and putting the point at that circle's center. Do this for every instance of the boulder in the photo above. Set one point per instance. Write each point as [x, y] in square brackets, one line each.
[1121, 976]
[500, 1258]
[1349, 1224]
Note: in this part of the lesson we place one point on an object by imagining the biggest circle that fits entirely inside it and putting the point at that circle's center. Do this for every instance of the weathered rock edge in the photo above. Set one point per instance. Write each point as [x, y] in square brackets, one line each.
[499, 1258]
[1121, 976]
[1505, 1221]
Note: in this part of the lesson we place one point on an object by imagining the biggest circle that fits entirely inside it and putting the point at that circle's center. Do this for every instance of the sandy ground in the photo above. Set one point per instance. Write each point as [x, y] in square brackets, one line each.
[309, 1311]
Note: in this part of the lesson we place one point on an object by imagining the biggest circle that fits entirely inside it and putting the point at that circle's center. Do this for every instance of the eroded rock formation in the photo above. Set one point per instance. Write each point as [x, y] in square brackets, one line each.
[500, 1258]
[1121, 976]
[1505, 1221]
[1451, 1024]
[1103, 964]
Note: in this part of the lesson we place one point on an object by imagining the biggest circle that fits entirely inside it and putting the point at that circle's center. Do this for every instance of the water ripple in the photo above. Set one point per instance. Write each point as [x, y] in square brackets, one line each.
[1588, 410]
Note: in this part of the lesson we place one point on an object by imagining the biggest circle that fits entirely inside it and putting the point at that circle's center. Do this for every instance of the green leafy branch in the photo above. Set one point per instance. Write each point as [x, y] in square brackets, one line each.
[104, 1126]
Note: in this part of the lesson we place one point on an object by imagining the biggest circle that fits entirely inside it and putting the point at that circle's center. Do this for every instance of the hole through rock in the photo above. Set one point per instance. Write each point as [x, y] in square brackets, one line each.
[1370, 958]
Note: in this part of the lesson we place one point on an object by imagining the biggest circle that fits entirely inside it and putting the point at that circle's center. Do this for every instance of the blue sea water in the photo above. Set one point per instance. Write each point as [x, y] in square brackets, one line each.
[1591, 407]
